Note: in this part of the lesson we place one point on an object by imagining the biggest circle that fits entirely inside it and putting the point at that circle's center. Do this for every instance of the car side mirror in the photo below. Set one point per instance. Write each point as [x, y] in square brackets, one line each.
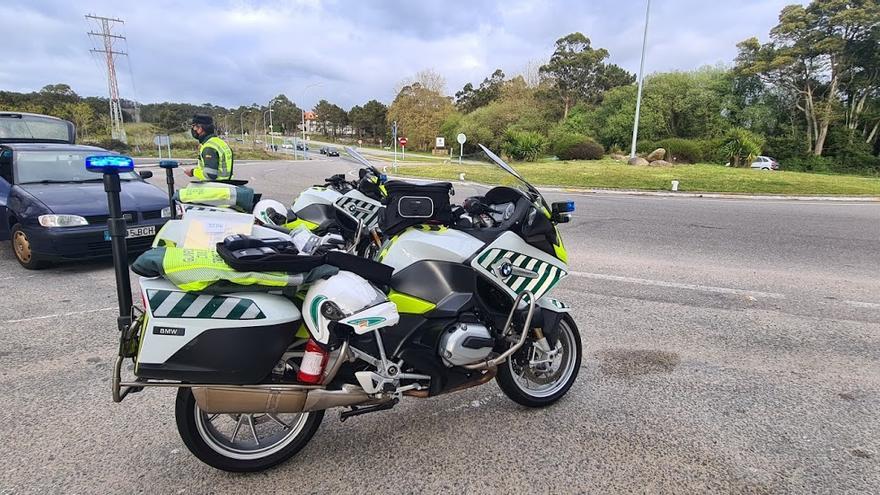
[145, 174]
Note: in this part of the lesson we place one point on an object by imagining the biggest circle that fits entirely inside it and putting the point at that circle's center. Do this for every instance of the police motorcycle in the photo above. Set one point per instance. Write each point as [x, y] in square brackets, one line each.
[348, 207]
[297, 330]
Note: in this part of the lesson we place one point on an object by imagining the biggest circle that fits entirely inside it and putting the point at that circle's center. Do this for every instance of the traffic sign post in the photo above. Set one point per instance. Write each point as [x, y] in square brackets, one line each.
[461, 138]
[394, 139]
[403, 148]
[163, 140]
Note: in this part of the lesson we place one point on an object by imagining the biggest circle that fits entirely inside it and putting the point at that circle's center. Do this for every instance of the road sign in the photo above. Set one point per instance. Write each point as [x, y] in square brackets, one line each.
[402, 141]
[461, 138]
[162, 140]
[441, 142]
[360, 142]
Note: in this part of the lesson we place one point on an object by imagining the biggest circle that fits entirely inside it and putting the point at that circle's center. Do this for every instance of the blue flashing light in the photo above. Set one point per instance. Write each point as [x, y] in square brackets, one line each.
[109, 164]
[168, 164]
[383, 178]
[563, 207]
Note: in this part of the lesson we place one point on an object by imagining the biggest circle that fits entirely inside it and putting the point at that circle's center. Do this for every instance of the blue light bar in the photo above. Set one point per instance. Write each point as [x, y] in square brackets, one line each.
[383, 178]
[109, 164]
[168, 164]
[563, 207]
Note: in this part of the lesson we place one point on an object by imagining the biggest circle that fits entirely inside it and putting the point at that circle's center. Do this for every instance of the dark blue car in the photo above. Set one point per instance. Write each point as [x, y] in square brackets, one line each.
[52, 209]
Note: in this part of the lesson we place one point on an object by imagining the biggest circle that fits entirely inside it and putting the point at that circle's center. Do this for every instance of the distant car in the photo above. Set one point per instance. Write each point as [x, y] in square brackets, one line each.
[323, 150]
[259, 141]
[302, 147]
[765, 163]
[331, 152]
[287, 146]
[52, 209]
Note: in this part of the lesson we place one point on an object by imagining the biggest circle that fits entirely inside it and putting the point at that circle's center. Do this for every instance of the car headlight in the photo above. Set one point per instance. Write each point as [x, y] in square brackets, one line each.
[62, 221]
[166, 212]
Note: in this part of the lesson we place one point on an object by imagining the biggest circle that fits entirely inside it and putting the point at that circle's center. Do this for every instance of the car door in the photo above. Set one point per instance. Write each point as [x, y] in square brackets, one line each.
[5, 188]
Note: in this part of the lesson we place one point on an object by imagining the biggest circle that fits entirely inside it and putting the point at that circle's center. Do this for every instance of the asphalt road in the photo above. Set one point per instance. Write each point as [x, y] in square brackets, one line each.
[729, 346]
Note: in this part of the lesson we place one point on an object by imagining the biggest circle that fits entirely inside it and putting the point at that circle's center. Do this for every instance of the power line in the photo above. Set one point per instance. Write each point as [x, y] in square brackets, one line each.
[117, 130]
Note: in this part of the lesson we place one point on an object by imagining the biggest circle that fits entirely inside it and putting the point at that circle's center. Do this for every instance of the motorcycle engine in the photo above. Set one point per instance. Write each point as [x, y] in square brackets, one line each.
[465, 343]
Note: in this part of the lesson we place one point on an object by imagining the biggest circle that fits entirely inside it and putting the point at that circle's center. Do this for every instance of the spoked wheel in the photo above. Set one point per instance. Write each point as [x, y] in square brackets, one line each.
[536, 379]
[242, 442]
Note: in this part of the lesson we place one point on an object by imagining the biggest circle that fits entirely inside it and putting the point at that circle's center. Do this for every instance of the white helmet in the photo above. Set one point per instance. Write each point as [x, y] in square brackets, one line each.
[270, 212]
[349, 299]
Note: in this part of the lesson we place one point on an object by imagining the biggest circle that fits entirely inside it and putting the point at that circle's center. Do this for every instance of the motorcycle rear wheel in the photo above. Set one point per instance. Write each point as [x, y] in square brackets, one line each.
[531, 388]
[258, 441]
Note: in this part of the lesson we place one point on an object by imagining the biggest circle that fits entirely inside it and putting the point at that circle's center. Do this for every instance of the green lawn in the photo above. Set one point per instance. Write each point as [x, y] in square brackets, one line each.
[610, 174]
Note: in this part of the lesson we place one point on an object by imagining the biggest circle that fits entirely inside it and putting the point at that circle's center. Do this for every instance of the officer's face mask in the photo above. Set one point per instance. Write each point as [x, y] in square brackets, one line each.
[194, 133]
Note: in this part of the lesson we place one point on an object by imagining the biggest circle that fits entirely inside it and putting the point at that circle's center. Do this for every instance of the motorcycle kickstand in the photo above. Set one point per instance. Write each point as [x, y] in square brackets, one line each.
[357, 411]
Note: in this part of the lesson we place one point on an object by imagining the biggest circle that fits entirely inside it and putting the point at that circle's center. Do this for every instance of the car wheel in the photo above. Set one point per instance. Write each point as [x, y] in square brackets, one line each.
[765, 168]
[21, 246]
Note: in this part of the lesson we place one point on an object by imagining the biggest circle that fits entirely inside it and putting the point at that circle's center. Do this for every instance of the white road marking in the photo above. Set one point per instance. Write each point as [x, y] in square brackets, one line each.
[60, 315]
[677, 285]
[860, 304]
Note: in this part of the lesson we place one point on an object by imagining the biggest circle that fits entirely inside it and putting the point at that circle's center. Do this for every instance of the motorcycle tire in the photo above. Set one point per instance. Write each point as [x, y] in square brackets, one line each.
[511, 382]
[190, 426]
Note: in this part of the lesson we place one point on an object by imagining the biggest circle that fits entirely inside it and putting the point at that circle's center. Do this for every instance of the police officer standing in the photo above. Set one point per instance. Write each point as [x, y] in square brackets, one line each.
[215, 156]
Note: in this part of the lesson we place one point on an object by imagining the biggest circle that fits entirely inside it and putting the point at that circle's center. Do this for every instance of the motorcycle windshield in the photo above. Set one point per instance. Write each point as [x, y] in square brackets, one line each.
[525, 186]
[363, 161]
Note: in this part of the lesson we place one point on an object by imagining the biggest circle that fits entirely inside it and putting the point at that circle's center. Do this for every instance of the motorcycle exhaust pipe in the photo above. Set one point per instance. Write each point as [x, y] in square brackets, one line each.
[244, 400]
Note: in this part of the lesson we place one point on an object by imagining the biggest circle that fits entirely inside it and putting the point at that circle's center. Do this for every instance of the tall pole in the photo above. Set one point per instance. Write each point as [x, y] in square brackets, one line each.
[632, 152]
[241, 121]
[271, 127]
[117, 131]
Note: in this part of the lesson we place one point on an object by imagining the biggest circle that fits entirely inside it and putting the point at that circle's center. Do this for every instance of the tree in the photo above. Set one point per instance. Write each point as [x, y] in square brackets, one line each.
[419, 112]
[579, 72]
[469, 98]
[811, 51]
[323, 111]
[375, 114]
[285, 115]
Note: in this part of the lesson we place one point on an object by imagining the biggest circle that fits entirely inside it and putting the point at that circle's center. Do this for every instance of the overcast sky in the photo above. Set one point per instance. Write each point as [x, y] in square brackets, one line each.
[244, 51]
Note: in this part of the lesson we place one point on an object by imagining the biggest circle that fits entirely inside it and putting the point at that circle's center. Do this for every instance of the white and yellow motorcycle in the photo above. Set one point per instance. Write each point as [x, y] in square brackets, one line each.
[452, 305]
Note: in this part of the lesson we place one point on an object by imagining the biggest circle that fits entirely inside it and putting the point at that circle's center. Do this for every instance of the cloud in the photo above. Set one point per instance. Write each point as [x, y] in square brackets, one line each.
[237, 52]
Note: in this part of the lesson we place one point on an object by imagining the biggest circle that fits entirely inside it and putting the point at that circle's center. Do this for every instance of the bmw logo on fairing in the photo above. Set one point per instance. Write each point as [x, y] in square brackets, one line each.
[506, 269]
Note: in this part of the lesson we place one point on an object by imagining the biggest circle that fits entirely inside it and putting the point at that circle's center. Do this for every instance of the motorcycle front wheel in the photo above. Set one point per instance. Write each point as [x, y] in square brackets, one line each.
[533, 380]
[242, 442]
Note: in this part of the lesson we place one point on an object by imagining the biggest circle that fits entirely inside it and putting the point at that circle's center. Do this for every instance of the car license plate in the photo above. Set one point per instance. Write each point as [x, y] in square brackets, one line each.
[135, 232]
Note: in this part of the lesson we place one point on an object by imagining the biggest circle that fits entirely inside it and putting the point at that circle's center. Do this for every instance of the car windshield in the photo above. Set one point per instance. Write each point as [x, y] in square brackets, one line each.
[56, 166]
[33, 128]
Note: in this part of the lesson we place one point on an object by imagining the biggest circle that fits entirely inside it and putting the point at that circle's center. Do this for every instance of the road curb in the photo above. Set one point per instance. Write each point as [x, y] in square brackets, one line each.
[670, 194]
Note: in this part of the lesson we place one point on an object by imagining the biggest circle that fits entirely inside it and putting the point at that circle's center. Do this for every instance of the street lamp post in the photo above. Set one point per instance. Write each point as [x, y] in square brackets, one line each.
[271, 126]
[635, 136]
[241, 121]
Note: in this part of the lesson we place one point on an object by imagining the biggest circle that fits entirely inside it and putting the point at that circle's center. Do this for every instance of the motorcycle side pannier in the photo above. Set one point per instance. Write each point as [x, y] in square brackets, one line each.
[413, 204]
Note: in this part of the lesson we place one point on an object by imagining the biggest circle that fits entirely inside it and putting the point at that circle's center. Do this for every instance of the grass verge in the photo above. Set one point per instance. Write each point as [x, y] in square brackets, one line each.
[610, 174]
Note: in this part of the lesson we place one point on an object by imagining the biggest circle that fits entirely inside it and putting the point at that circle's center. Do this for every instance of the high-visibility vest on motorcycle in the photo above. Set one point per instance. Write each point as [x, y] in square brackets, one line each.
[217, 194]
[224, 155]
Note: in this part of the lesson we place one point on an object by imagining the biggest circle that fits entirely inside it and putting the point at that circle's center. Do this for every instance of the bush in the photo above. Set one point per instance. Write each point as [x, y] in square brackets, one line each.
[681, 150]
[585, 149]
[523, 145]
[561, 140]
[741, 146]
[810, 163]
